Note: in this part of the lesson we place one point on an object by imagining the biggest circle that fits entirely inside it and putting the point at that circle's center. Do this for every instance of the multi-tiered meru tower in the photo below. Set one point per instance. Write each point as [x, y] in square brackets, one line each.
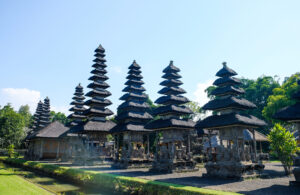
[233, 157]
[77, 109]
[171, 127]
[37, 117]
[97, 126]
[45, 115]
[132, 118]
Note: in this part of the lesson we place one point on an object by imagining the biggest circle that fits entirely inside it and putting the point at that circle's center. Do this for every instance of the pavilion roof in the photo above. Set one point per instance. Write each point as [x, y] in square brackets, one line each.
[52, 130]
[93, 126]
[228, 102]
[219, 121]
[289, 113]
[170, 123]
[130, 126]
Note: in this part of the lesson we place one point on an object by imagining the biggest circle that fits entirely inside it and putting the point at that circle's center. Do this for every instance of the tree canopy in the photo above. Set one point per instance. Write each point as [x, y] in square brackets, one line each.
[281, 97]
[12, 125]
[59, 116]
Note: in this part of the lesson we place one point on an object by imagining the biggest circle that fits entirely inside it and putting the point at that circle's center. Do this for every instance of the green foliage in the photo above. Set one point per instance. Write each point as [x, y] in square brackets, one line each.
[25, 112]
[111, 182]
[284, 145]
[59, 116]
[12, 126]
[11, 151]
[194, 106]
[281, 97]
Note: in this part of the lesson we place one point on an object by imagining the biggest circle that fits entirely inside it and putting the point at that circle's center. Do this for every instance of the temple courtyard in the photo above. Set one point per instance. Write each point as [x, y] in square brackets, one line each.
[273, 180]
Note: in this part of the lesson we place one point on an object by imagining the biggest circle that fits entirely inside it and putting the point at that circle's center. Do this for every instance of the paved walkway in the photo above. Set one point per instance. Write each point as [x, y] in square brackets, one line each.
[275, 183]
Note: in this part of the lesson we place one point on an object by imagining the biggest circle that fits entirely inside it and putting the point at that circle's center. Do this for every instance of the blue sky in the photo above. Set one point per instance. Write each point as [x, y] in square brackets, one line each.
[47, 47]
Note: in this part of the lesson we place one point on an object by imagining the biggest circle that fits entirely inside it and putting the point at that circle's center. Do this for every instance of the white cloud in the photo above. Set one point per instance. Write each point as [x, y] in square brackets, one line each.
[18, 97]
[200, 95]
[116, 69]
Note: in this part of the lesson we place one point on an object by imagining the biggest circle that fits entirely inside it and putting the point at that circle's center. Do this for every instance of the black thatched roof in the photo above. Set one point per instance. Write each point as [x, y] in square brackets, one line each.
[229, 102]
[226, 71]
[218, 121]
[37, 116]
[98, 93]
[97, 104]
[135, 107]
[128, 96]
[171, 75]
[134, 82]
[171, 102]
[131, 126]
[171, 82]
[173, 123]
[134, 88]
[289, 113]
[52, 130]
[95, 84]
[227, 90]
[172, 91]
[93, 126]
[134, 65]
[134, 104]
[171, 68]
[227, 81]
[172, 109]
[172, 99]
[134, 115]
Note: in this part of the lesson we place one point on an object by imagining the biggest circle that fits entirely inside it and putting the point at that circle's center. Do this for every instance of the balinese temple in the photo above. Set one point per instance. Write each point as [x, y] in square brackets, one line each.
[77, 109]
[234, 158]
[173, 151]
[47, 141]
[132, 118]
[97, 127]
[291, 114]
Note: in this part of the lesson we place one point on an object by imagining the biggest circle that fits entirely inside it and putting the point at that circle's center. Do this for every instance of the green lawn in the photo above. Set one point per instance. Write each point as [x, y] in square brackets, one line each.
[11, 184]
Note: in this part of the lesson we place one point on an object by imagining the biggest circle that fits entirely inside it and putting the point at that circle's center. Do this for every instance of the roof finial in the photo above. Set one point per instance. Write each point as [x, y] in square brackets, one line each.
[171, 63]
[134, 62]
[224, 64]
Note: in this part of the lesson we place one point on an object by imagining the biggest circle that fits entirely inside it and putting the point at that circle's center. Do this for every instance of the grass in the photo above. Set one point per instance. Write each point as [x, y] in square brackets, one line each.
[113, 182]
[12, 184]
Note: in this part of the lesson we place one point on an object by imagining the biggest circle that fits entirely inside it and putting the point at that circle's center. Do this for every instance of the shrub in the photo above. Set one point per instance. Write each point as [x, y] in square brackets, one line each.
[284, 145]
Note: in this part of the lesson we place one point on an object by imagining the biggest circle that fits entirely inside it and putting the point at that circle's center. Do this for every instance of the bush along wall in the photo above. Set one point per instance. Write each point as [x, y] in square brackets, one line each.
[110, 182]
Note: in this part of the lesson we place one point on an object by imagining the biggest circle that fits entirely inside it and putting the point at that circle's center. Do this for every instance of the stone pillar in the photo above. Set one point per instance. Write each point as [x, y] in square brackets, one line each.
[189, 143]
[57, 150]
[254, 144]
[148, 145]
[41, 149]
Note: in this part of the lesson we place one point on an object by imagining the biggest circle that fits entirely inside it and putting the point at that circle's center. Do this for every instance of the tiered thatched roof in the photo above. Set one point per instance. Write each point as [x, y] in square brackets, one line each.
[97, 112]
[78, 110]
[171, 101]
[228, 103]
[132, 113]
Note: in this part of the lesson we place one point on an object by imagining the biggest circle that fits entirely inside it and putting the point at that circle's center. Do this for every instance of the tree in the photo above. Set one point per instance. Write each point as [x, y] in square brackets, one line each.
[284, 145]
[11, 126]
[194, 106]
[281, 97]
[24, 111]
[59, 116]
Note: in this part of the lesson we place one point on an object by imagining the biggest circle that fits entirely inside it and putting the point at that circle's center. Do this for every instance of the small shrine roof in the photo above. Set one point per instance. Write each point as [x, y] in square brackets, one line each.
[131, 126]
[289, 113]
[171, 68]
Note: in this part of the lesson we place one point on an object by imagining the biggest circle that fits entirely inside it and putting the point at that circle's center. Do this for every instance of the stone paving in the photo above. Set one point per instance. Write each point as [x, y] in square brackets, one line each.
[275, 182]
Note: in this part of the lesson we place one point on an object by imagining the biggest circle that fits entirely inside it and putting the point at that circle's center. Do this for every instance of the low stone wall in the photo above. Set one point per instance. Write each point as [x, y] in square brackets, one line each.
[115, 183]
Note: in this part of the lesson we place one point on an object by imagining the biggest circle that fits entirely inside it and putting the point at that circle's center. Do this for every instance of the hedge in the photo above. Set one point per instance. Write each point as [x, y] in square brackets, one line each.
[111, 182]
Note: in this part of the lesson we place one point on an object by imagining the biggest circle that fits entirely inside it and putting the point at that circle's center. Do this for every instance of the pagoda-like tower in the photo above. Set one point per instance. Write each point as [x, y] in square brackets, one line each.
[77, 109]
[97, 127]
[234, 158]
[291, 114]
[37, 116]
[172, 130]
[45, 116]
[132, 118]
